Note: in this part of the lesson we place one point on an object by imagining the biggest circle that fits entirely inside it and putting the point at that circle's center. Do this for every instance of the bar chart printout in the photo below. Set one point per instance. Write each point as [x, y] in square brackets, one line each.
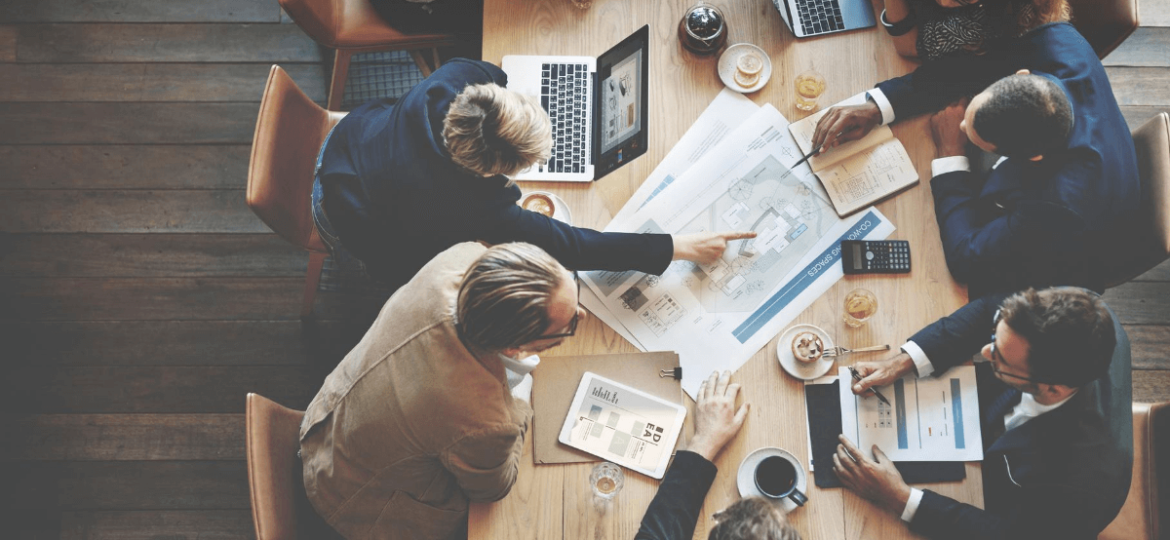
[928, 419]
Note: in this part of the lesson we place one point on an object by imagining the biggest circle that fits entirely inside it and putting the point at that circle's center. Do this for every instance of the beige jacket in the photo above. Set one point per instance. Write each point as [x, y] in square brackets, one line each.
[411, 426]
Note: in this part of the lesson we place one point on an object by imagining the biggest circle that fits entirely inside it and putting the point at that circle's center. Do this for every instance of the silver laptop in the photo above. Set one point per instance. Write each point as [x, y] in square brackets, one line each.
[815, 17]
[598, 107]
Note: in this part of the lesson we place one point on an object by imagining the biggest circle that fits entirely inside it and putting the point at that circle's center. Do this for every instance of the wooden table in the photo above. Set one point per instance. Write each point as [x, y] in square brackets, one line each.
[555, 501]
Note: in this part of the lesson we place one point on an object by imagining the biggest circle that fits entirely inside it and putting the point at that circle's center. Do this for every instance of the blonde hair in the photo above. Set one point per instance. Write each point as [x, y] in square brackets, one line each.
[491, 130]
[505, 295]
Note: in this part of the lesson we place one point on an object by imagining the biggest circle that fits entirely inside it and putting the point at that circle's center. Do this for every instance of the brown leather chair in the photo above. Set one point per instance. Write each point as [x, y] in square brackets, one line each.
[274, 471]
[1150, 243]
[289, 133]
[1105, 23]
[352, 26]
[1149, 499]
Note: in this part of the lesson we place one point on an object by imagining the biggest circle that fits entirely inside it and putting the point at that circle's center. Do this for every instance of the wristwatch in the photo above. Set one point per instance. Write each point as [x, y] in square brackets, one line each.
[901, 27]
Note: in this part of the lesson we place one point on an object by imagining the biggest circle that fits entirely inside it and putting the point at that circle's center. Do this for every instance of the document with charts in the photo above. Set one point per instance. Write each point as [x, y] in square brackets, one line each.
[719, 315]
[928, 419]
[624, 425]
[858, 173]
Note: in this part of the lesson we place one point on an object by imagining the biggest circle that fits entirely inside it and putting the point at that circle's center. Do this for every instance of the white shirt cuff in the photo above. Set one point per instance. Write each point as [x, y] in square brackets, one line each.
[912, 505]
[921, 362]
[883, 103]
[949, 164]
[523, 390]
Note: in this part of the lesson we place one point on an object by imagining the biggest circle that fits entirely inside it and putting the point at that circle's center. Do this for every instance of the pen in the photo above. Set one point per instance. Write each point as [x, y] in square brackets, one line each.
[857, 377]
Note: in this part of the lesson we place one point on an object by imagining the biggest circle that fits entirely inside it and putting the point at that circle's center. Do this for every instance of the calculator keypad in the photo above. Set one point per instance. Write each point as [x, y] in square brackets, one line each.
[885, 257]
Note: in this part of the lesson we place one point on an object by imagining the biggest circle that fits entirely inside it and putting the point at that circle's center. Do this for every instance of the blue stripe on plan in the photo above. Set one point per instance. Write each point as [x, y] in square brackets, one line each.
[900, 413]
[772, 306]
[661, 187]
[957, 412]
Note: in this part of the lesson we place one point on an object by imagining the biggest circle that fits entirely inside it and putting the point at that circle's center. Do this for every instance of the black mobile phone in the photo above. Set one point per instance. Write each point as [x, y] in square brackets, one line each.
[875, 256]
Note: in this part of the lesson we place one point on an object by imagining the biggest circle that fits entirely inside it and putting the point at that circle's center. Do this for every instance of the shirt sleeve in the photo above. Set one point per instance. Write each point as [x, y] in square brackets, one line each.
[949, 164]
[673, 513]
[883, 104]
[912, 505]
[921, 361]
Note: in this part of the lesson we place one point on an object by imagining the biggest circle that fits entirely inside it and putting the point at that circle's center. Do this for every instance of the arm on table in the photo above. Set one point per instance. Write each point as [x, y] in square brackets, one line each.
[485, 463]
[1047, 511]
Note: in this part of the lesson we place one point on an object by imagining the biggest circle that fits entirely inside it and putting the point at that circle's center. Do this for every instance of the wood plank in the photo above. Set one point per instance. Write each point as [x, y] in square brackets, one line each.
[1135, 115]
[125, 167]
[1140, 85]
[7, 43]
[179, 343]
[123, 437]
[147, 299]
[1149, 346]
[171, 11]
[1154, 12]
[63, 43]
[1147, 46]
[149, 82]
[153, 389]
[125, 485]
[149, 255]
[173, 211]
[1151, 386]
[1140, 302]
[128, 123]
[157, 525]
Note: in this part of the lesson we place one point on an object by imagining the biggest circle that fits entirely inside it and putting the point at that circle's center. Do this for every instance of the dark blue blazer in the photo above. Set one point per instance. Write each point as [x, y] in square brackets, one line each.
[1033, 224]
[1064, 474]
[674, 512]
[396, 199]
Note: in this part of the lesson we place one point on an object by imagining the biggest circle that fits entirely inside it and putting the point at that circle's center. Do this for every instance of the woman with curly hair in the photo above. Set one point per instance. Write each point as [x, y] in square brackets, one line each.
[934, 29]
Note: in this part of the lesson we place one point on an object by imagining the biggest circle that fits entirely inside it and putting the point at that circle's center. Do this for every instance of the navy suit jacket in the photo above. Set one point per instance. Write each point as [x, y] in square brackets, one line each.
[395, 198]
[1064, 474]
[674, 512]
[1033, 224]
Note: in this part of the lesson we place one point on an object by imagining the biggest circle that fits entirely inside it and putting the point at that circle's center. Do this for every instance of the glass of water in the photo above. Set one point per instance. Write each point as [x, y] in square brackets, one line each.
[607, 480]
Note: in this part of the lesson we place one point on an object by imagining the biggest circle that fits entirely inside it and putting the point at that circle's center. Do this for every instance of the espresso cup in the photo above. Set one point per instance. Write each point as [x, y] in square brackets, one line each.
[776, 478]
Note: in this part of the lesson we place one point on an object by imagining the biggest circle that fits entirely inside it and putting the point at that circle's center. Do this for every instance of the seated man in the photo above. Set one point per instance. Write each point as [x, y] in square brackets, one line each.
[673, 513]
[429, 410]
[400, 181]
[1051, 210]
[1055, 408]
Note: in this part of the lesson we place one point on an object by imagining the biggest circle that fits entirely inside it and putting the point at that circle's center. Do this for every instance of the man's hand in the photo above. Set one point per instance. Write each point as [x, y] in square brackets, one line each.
[949, 138]
[882, 372]
[705, 247]
[846, 123]
[876, 480]
[716, 418]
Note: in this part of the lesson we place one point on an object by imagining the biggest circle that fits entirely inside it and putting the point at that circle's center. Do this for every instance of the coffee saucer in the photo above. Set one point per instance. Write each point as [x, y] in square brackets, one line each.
[805, 371]
[560, 209]
[746, 482]
[727, 67]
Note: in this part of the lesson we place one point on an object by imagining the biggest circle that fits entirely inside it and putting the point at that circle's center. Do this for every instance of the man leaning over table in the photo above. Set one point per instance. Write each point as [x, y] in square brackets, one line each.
[673, 513]
[1056, 419]
[430, 409]
[1056, 209]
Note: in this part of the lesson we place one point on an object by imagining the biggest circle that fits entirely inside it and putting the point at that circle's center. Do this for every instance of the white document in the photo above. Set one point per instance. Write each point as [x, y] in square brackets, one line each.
[726, 112]
[929, 419]
[717, 316]
[624, 425]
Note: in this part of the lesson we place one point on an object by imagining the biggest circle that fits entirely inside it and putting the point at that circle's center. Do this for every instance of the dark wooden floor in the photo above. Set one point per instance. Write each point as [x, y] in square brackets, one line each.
[139, 297]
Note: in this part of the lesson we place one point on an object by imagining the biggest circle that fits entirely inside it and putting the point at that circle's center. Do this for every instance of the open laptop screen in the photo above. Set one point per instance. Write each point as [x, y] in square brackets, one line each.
[622, 112]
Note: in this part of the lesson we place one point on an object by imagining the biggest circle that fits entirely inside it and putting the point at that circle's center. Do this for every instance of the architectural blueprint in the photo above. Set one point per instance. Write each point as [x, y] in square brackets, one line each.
[717, 316]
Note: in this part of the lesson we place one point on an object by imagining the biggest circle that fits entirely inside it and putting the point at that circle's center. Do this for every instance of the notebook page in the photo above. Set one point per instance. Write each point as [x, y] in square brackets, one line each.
[865, 177]
[803, 132]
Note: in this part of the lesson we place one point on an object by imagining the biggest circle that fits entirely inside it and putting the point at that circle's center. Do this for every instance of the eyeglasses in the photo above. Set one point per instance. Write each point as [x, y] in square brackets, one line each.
[576, 314]
[996, 356]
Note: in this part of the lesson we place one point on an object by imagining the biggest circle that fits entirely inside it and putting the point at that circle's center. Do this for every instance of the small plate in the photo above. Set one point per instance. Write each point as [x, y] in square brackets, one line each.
[746, 482]
[727, 67]
[805, 371]
[560, 208]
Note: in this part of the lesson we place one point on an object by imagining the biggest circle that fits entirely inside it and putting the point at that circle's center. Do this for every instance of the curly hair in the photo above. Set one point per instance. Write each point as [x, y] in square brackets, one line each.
[1025, 116]
[753, 518]
[491, 130]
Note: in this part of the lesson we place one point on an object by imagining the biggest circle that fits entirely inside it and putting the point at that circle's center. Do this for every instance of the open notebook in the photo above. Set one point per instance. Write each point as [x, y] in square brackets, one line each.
[859, 173]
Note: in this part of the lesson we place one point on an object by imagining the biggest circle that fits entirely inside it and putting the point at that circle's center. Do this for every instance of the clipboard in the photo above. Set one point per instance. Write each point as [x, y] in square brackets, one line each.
[555, 381]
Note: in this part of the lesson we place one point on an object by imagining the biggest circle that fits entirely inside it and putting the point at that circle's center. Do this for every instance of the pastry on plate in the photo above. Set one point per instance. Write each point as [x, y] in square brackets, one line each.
[807, 347]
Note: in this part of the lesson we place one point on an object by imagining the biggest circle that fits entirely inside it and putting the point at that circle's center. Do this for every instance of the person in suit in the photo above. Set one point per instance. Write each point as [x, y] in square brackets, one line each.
[674, 511]
[429, 411]
[399, 182]
[1055, 408]
[1058, 203]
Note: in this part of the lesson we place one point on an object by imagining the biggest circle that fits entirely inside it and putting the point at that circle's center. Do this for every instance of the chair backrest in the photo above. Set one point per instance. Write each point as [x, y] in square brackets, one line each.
[1105, 23]
[274, 471]
[1151, 228]
[320, 19]
[1148, 498]
[289, 133]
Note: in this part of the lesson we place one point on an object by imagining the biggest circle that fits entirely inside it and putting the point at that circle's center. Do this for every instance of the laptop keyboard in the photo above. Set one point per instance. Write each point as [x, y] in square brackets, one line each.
[563, 91]
[820, 16]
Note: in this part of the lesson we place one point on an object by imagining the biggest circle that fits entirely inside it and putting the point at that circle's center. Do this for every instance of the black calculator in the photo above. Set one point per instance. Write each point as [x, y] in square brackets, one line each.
[875, 257]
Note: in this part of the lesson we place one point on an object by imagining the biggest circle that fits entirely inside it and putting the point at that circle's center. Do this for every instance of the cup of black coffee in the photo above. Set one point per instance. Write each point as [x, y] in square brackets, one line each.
[776, 478]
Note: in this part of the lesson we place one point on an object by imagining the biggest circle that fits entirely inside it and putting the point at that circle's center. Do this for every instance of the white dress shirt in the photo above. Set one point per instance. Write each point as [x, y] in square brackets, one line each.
[519, 372]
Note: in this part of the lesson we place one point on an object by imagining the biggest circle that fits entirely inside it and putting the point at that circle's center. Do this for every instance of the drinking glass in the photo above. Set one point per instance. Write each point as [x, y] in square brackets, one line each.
[860, 305]
[809, 87]
[607, 480]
